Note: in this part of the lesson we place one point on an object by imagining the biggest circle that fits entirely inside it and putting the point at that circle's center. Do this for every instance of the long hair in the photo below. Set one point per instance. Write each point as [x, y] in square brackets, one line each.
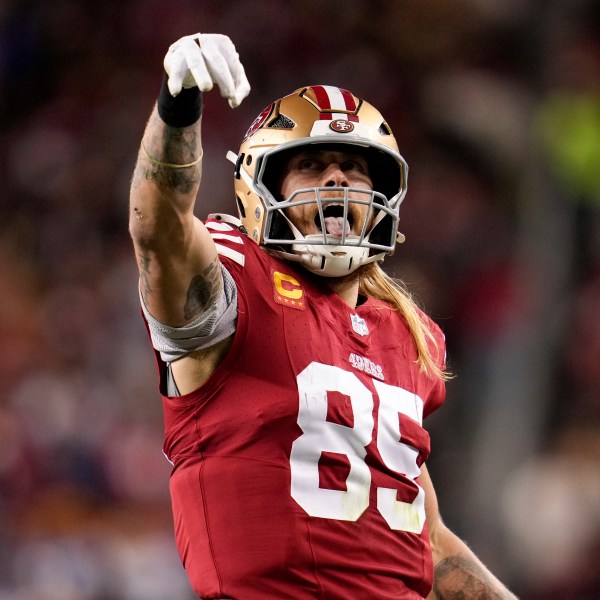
[376, 283]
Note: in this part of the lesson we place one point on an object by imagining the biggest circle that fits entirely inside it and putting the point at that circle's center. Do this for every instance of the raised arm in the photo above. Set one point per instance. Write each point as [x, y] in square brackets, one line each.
[458, 573]
[177, 260]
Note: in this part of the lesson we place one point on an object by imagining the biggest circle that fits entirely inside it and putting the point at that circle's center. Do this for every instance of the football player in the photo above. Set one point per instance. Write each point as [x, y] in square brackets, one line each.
[295, 373]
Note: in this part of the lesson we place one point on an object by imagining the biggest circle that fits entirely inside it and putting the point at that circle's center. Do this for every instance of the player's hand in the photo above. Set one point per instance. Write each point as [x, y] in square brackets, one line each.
[204, 59]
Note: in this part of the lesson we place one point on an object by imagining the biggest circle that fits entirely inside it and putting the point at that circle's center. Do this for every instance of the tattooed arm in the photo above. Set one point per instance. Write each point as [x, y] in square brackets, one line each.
[176, 256]
[180, 276]
[458, 573]
[180, 273]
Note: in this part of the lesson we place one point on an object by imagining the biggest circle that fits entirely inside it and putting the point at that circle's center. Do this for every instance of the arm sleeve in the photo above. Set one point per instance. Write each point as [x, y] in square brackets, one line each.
[216, 324]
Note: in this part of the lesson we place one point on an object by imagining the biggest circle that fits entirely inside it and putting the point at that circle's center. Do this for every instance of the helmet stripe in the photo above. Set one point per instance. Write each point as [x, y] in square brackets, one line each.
[348, 99]
[337, 100]
[322, 97]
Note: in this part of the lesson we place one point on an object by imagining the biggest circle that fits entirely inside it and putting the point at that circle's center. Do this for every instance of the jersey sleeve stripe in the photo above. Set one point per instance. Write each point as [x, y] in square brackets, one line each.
[216, 226]
[234, 255]
[223, 236]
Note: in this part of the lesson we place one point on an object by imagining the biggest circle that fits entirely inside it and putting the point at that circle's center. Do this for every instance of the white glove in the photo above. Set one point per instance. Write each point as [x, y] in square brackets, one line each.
[204, 59]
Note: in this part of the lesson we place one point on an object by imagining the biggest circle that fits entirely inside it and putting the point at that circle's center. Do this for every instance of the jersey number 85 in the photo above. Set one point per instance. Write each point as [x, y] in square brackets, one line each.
[320, 435]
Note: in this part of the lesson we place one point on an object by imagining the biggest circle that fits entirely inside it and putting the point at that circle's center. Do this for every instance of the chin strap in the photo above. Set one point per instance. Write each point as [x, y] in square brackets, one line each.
[323, 263]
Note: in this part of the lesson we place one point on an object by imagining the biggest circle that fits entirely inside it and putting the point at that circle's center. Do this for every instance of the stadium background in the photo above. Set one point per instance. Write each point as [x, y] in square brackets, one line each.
[496, 107]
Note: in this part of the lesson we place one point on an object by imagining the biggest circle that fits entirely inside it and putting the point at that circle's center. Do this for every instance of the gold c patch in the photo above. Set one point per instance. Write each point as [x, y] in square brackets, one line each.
[287, 291]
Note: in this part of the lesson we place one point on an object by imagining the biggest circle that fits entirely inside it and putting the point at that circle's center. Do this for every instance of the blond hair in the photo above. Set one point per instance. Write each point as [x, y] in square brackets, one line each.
[376, 283]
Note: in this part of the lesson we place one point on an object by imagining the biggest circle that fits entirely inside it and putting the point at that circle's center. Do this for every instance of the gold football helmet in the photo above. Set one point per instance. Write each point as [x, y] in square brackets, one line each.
[334, 118]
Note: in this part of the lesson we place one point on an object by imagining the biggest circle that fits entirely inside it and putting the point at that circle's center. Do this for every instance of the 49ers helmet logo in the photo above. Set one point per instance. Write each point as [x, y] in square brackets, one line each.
[341, 126]
[259, 121]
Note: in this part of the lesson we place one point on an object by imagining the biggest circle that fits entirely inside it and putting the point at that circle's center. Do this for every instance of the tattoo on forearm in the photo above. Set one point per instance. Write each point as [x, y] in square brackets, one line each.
[203, 290]
[458, 578]
[175, 145]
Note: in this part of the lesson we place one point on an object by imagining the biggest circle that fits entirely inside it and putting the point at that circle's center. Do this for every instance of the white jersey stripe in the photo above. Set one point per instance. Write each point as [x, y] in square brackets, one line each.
[217, 226]
[234, 255]
[224, 236]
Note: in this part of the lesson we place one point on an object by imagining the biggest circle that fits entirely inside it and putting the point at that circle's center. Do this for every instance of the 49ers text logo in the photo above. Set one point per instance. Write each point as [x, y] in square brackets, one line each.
[365, 365]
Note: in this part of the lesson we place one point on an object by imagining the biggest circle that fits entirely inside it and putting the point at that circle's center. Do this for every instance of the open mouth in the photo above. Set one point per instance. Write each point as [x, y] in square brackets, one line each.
[334, 220]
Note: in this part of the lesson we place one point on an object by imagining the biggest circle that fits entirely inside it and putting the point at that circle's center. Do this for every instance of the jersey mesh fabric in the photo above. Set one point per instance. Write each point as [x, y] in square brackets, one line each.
[292, 418]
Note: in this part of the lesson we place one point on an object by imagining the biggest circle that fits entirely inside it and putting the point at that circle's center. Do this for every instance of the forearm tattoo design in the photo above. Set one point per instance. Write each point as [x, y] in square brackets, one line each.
[458, 578]
[174, 145]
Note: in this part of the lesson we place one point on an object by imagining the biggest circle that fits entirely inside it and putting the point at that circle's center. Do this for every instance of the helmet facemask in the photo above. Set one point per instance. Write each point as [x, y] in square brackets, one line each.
[345, 220]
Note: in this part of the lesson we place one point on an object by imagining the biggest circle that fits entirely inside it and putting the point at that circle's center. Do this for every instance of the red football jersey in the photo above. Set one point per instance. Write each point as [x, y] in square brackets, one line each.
[296, 465]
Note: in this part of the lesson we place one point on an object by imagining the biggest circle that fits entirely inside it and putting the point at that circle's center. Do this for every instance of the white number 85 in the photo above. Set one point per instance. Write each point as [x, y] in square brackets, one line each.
[320, 435]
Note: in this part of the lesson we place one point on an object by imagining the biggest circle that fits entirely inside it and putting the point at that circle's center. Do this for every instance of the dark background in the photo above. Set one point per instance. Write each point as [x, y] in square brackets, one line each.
[496, 107]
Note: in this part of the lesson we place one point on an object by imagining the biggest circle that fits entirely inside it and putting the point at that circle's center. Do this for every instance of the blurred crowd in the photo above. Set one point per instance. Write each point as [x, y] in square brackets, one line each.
[496, 107]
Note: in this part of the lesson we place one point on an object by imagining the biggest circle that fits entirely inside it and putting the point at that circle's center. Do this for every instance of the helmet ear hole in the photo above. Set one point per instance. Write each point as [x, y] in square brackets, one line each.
[238, 164]
[240, 207]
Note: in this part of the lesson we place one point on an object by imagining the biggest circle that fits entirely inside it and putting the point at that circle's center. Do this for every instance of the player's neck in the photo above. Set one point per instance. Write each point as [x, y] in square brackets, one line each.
[345, 287]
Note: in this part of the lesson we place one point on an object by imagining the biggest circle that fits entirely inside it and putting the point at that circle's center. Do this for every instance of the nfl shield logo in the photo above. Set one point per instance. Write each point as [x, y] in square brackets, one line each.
[359, 325]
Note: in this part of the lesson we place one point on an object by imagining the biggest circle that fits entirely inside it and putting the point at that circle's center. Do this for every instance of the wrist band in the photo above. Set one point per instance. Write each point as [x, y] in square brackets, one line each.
[169, 165]
[181, 110]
